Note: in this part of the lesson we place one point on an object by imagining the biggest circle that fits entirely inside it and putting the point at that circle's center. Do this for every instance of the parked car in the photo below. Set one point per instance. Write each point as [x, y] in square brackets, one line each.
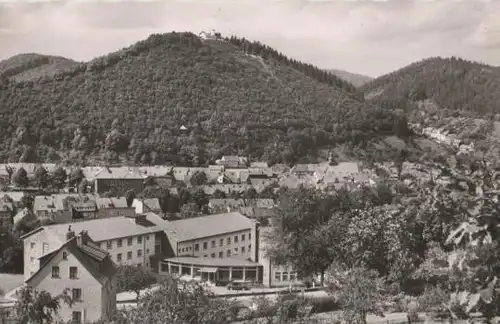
[239, 285]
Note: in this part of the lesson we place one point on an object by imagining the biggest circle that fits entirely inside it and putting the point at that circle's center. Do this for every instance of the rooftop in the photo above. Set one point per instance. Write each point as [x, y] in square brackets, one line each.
[108, 228]
[207, 262]
[206, 226]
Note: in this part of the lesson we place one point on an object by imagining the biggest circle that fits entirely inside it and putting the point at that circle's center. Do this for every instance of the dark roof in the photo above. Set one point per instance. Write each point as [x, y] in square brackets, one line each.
[97, 261]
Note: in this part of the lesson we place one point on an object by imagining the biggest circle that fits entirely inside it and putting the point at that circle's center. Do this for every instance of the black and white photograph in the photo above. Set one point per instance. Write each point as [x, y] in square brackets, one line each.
[249, 161]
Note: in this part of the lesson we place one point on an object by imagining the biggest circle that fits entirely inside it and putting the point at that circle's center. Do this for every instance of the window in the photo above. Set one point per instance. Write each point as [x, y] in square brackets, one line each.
[228, 253]
[139, 253]
[277, 276]
[213, 243]
[147, 238]
[242, 237]
[119, 257]
[55, 272]
[32, 245]
[32, 260]
[109, 244]
[76, 294]
[45, 248]
[242, 249]
[76, 317]
[205, 245]
[139, 265]
[73, 272]
[129, 255]
[119, 243]
[139, 239]
[147, 251]
[249, 248]
[249, 236]
[236, 239]
[196, 247]
[129, 241]
[236, 249]
[213, 255]
[221, 242]
[228, 240]
[221, 255]
[293, 276]
[285, 276]
[65, 256]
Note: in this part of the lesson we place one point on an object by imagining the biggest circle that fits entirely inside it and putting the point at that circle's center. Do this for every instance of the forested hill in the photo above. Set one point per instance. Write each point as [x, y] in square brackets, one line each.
[451, 95]
[451, 83]
[355, 79]
[177, 98]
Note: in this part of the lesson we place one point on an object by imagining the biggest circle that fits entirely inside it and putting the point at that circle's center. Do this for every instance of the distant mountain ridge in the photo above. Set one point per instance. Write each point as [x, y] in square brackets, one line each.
[450, 94]
[23, 67]
[356, 79]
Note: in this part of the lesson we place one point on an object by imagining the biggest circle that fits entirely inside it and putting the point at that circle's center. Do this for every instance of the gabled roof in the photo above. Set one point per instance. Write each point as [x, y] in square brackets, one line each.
[114, 202]
[97, 261]
[206, 226]
[152, 204]
[119, 173]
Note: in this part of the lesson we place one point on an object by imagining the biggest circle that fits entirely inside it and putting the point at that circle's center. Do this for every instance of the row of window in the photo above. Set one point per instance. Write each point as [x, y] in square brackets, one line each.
[285, 276]
[129, 255]
[221, 242]
[73, 272]
[228, 252]
[119, 242]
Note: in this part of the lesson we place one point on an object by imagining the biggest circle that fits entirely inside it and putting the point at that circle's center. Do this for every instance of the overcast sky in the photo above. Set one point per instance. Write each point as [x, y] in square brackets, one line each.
[367, 37]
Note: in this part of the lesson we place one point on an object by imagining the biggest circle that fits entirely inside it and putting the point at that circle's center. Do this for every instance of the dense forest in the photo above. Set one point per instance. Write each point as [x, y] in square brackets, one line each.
[455, 95]
[453, 84]
[175, 98]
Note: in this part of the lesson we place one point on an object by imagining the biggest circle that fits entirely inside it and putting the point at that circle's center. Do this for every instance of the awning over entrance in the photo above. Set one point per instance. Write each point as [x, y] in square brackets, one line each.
[210, 270]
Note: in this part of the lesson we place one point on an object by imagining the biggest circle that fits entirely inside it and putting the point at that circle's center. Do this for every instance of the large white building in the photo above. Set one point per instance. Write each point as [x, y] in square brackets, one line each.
[219, 247]
[129, 240]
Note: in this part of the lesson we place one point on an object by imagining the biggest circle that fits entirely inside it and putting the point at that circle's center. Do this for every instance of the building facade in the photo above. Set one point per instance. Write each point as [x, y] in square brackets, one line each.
[217, 243]
[86, 271]
[273, 274]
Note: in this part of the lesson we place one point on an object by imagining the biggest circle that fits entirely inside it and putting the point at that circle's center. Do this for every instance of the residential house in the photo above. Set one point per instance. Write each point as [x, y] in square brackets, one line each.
[114, 207]
[129, 240]
[274, 274]
[232, 161]
[148, 205]
[86, 270]
[52, 208]
[118, 179]
[260, 165]
[301, 170]
[217, 248]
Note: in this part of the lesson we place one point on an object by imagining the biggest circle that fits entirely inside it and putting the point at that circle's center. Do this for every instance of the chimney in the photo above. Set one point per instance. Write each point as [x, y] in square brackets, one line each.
[70, 234]
[80, 240]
